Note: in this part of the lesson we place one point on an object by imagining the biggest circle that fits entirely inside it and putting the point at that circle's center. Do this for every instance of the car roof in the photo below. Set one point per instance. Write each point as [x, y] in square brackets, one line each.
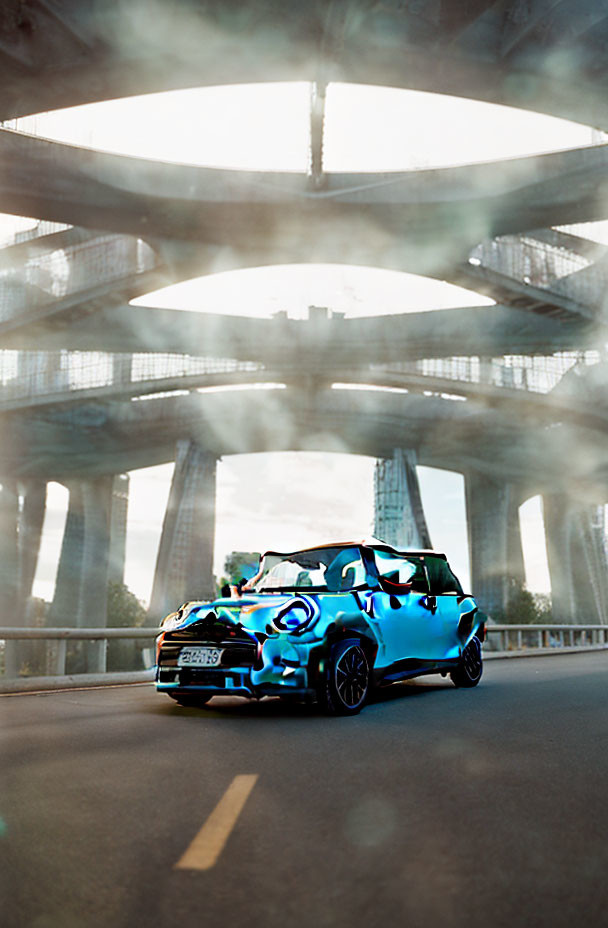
[373, 545]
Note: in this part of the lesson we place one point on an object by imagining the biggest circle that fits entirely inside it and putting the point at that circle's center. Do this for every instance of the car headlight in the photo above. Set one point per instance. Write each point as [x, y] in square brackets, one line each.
[173, 620]
[295, 616]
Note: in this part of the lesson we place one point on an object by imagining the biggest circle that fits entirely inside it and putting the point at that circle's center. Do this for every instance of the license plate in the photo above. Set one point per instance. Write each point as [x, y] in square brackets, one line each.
[199, 657]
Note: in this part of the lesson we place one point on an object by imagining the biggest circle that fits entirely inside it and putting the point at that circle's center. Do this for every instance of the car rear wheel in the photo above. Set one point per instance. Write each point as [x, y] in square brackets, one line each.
[345, 683]
[189, 701]
[468, 673]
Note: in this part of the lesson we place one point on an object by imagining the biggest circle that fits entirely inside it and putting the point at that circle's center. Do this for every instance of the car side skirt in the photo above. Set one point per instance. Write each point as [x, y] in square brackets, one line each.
[411, 667]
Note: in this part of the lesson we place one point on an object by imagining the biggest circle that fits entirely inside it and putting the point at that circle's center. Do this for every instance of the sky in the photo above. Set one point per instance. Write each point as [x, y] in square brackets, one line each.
[290, 500]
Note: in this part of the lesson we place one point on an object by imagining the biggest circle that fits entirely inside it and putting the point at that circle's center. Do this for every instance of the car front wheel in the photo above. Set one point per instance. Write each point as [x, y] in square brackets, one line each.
[468, 673]
[345, 683]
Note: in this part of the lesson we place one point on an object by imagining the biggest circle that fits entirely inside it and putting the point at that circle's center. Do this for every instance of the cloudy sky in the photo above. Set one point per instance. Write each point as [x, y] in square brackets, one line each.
[289, 500]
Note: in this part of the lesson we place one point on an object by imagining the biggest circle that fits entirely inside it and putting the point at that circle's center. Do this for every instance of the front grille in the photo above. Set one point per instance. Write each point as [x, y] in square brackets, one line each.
[235, 655]
[239, 656]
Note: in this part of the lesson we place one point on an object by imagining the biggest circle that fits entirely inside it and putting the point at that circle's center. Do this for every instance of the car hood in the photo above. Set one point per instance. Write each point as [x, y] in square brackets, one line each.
[252, 613]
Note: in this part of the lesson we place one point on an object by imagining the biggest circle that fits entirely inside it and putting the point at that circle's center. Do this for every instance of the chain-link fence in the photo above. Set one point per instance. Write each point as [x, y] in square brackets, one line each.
[30, 374]
[537, 373]
[47, 276]
[550, 266]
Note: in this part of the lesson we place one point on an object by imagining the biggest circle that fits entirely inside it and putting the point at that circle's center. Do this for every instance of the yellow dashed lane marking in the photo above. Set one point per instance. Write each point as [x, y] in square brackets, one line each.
[209, 843]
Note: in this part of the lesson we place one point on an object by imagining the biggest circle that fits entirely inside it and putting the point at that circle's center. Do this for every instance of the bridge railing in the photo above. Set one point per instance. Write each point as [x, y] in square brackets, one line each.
[535, 373]
[545, 637]
[56, 655]
[502, 640]
[550, 266]
[59, 272]
[30, 376]
[47, 376]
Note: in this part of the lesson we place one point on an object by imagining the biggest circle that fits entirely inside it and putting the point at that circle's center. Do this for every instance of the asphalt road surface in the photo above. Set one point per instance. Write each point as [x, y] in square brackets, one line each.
[435, 806]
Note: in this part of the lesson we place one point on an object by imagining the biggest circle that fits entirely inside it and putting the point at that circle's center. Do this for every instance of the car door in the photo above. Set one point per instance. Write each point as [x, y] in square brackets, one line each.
[449, 602]
[448, 642]
[409, 627]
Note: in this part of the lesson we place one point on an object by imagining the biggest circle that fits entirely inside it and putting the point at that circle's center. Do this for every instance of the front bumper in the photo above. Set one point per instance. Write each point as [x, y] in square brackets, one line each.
[282, 668]
[232, 682]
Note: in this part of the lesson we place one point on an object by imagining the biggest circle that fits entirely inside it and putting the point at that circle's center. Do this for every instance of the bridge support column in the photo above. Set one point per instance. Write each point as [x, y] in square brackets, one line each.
[30, 535]
[516, 571]
[184, 567]
[93, 604]
[9, 569]
[494, 540]
[578, 560]
[398, 514]
[118, 529]
[65, 608]
[92, 553]
[31, 521]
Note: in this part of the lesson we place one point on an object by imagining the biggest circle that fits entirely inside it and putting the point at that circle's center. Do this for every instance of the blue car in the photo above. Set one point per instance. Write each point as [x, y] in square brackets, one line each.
[326, 624]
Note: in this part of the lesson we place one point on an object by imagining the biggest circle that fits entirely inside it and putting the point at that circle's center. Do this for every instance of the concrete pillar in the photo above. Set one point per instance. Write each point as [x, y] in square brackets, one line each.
[558, 539]
[97, 500]
[578, 560]
[494, 540]
[30, 535]
[9, 569]
[398, 514]
[31, 519]
[64, 610]
[184, 566]
[118, 529]
[516, 571]
[589, 553]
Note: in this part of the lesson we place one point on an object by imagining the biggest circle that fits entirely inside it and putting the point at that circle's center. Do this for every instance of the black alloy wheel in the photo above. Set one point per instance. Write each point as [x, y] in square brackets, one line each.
[345, 684]
[469, 671]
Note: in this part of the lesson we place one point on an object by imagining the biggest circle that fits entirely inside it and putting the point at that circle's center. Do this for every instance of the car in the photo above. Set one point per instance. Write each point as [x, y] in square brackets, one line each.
[327, 624]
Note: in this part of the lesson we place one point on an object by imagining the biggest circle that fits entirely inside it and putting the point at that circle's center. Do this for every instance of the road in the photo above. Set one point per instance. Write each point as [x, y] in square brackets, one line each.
[435, 806]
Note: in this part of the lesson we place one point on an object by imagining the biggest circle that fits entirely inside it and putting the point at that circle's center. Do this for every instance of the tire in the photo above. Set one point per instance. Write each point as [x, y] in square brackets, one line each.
[469, 671]
[190, 701]
[345, 682]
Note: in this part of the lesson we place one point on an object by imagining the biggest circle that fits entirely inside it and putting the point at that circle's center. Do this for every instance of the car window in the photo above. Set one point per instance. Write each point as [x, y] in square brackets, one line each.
[401, 569]
[441, 578]
[334, 569]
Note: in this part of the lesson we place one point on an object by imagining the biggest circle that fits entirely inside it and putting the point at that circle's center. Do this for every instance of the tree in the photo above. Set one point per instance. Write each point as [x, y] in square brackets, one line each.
[241, 564]
[124, 608]
[124, 611]
[525, 608]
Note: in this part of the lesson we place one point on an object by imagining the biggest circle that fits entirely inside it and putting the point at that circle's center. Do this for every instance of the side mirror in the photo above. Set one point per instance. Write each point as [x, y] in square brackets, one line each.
[430, 603]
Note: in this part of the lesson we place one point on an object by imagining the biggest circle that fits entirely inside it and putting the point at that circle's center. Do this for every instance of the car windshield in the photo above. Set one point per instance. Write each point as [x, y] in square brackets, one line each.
[334, 569]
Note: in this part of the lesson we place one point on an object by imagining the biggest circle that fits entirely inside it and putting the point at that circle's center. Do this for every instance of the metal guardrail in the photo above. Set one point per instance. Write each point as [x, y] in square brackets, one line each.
[513, 641]
[47, 377]
[548, 637]
[56, 652]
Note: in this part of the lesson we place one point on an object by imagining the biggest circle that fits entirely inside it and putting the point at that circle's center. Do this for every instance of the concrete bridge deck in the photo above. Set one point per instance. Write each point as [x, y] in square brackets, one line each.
[353, 218]
[510, 387]
[114, 437]
[545, 57]
[476, 330]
